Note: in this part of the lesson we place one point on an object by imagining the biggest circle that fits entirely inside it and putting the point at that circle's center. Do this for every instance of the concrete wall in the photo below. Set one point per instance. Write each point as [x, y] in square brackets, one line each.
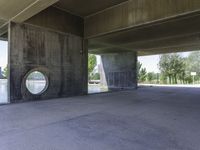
[62, 57]
[119, 70]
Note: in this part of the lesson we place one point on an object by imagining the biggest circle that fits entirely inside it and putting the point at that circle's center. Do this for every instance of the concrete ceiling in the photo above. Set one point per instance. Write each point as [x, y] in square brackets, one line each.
[178, 34]
[9, 9]
[20, 10]
[84, 8]
[2, 21]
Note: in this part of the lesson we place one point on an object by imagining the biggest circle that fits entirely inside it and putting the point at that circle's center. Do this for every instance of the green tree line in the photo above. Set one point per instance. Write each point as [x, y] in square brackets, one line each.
[174, 69]
[92, 62]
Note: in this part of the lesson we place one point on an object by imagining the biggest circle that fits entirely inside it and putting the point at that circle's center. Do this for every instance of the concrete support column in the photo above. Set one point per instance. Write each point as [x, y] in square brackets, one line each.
[61, 57]
[119, 70]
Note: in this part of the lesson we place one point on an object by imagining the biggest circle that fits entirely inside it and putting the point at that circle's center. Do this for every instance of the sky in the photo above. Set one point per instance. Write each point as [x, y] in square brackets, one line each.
[3, 54]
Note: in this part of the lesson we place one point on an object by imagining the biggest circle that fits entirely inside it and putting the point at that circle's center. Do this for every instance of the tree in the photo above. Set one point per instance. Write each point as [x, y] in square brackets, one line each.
[177, 67]
[172, 66]
[95, 76]
[164, 66]
[150, 77]
[139, 67]
[141, 72]
[193, 64]
[92, 62]
[5, 72]
[182, 76]
[163, 79]
[142, 75]
[188, 79]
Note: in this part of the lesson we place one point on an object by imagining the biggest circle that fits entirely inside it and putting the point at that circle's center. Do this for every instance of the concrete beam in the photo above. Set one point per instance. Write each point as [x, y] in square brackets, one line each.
[3, 29]
[134, 13]
[86, 7]
[169, 36]
[32, 10]
[20, 10]
[149, 47]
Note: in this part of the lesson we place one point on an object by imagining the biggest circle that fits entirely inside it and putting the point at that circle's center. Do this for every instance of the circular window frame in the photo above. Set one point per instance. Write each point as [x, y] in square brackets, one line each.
[45, 77]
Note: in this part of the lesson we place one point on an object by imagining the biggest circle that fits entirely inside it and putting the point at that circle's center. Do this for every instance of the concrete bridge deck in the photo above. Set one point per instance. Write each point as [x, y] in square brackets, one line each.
[147, 119]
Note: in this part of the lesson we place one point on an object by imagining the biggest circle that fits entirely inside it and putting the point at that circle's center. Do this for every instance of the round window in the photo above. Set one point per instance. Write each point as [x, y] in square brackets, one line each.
[36, 82]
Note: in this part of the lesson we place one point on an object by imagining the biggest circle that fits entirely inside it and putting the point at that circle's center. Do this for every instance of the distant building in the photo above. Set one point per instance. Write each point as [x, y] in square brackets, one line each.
[1, 74]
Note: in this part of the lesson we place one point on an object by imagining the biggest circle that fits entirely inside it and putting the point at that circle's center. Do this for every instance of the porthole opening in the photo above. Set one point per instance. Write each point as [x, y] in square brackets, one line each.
[36, 83]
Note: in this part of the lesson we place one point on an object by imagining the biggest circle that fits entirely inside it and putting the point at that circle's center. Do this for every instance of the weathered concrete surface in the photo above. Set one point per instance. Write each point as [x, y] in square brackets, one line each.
[62, 57]
[21, 10]
[174, 35]
[148, 27]
[146, 119]
[11, 9]
[59, 20]
[136, 13]
[119, 70]
[86, 7]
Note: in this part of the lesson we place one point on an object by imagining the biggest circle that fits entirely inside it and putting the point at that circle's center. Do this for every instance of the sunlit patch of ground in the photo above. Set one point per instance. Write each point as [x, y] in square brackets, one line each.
[3, 91]
[172, 85]
[96, 88]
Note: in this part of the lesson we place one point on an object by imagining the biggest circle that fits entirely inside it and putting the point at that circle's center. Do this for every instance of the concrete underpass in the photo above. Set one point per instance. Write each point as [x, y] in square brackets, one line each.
[54, 37]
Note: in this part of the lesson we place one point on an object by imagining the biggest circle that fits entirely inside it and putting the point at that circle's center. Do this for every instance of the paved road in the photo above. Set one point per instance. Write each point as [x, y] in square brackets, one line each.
[146, 119]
